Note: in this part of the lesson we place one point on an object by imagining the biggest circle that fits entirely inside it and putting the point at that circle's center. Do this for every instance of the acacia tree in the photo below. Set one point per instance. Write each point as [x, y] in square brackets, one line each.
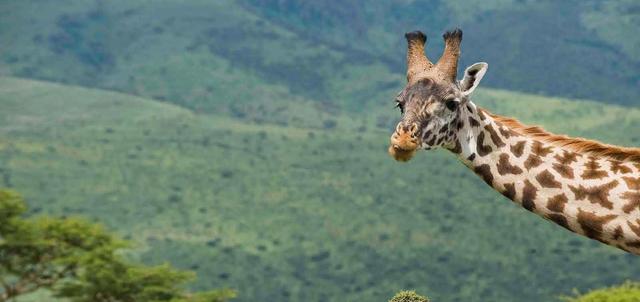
[39, 253]
[77, 260]
[626, 292]
[106, 278]
[408, 296]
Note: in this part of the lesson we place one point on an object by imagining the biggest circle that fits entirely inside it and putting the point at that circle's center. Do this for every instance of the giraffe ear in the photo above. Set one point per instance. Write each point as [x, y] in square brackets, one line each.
[472, 76]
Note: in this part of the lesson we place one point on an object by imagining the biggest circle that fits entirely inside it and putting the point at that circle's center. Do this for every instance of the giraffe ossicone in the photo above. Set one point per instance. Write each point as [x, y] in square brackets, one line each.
[587, 187]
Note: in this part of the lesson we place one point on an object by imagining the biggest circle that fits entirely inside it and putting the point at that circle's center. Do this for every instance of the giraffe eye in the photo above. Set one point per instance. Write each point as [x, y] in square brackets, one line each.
[451, 104]
[400, 106]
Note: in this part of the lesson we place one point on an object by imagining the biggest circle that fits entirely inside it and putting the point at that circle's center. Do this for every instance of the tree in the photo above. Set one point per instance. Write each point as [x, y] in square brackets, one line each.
[408, 296]
[78, 260]
[106, 278]
[627, 292]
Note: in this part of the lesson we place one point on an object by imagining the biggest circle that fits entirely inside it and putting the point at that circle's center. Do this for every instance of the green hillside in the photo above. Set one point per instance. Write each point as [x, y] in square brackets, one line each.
[229, 56]
[583, 49]
[314, 212]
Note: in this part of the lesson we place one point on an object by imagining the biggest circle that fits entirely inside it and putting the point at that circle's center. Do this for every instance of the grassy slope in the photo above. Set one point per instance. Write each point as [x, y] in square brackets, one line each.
[300, 214]
[203, 55]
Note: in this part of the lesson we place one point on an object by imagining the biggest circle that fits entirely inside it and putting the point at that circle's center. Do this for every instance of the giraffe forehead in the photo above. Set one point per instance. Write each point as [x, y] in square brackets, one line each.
[427, 90]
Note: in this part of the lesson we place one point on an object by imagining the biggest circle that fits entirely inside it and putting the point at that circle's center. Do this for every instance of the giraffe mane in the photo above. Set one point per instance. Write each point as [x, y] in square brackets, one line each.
[580, 145]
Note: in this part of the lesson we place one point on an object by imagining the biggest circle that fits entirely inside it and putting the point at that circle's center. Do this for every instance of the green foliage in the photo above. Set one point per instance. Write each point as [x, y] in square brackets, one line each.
[408, 296]
[107, 278]
[40, 253]
[627, 292]
[11, 208]
[77, 260]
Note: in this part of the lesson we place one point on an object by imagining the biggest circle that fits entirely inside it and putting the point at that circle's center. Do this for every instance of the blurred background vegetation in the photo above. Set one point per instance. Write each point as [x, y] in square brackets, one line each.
[246, 140]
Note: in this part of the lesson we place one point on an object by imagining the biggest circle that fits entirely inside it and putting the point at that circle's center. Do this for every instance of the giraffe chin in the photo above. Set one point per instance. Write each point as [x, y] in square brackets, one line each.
[401, 154]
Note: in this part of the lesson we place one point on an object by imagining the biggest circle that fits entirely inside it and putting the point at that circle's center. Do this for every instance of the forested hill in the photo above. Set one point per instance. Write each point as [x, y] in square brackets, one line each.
[235, 56]
[579, 49]
[313, 213]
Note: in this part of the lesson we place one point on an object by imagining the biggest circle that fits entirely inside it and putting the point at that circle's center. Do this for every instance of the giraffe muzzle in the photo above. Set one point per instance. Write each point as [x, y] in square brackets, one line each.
[404, 143]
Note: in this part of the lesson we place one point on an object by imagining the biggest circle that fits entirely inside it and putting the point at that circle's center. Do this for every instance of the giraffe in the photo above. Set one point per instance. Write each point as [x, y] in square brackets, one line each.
[587, 187]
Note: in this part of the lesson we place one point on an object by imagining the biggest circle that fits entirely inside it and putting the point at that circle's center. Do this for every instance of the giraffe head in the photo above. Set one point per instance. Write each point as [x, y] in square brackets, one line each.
[431, 103]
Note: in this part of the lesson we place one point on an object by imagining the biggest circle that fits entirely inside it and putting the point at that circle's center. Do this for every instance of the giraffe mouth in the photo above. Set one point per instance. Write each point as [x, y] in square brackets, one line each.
[401, 154]
[403, 146]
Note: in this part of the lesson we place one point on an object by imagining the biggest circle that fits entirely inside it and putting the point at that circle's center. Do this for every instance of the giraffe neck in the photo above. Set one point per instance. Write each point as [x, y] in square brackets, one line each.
[597, 197]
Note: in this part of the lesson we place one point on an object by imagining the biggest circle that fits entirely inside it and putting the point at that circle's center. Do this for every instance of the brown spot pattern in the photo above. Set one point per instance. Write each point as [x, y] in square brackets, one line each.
[481, 115]
[564, 171]
[619, 167]
[506, 132]
[635, 244]
[592, 170]
[580, 145]
[596, 194]
[532, 162]
[426, 134]
[481, 148]
[635, 227]
[495, 138]
[539, 149]
[518, 148]
[547, 180]
[633, 183]
[432, 140]
[484, 171]
[473, 122]
[457, 148]
[505, 167]
[556, 203]
[529, 195]
[617, 233]
[566, 158]
[592, 224]
[622, 247]
[559, 219]
[563, 164]
[509, 191]
[633, 198]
